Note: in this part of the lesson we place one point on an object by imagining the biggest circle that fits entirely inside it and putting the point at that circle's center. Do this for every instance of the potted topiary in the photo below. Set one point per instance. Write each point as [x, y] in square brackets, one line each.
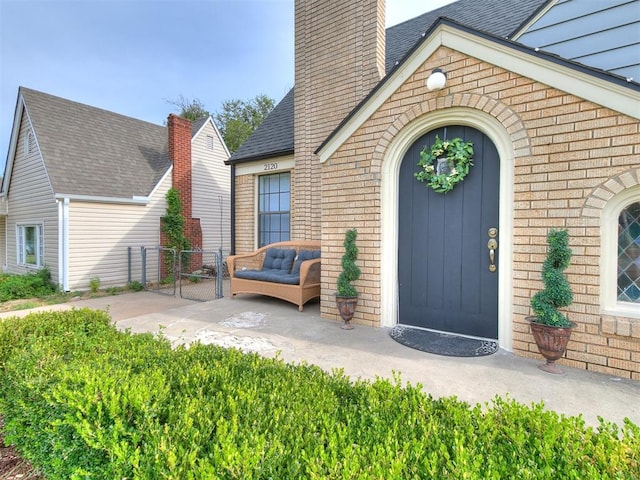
[552, 329]
[347, 295]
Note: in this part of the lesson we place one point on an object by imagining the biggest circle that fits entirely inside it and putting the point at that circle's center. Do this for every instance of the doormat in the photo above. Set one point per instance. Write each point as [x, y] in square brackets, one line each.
[442, 343]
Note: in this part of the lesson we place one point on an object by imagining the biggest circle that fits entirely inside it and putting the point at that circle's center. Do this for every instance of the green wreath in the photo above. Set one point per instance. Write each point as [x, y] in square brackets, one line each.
[445, 164]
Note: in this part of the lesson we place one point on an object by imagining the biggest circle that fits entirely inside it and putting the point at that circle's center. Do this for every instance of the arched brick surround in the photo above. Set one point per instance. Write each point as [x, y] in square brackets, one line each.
[506, 130]
[595, 202]
[505, 115]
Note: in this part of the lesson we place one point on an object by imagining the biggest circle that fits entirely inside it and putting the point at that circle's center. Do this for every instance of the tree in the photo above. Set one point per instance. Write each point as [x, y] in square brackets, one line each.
[238, 119]
[190, 109]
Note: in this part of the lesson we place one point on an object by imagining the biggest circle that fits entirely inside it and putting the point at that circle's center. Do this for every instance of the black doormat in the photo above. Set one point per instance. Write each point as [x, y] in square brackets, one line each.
[442, 343]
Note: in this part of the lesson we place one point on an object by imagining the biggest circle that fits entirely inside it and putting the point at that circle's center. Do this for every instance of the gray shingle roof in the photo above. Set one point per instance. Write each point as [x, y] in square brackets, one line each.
[94, 152]
[498, 17]
[274, 136]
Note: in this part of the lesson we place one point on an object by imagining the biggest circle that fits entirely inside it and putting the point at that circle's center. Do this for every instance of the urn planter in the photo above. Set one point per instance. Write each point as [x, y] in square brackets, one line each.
[552, 343]
[551, 328]
[346, 307]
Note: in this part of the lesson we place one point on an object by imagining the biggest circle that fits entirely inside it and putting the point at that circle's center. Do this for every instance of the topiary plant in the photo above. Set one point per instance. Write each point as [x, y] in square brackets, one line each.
[350, 271]
[557, 292]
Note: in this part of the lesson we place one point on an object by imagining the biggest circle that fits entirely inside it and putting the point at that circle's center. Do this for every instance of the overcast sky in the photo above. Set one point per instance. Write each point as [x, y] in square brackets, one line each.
[134, 56]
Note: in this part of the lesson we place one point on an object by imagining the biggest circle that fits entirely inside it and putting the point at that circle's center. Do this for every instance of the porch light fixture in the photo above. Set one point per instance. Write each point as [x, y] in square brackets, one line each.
[436, 80]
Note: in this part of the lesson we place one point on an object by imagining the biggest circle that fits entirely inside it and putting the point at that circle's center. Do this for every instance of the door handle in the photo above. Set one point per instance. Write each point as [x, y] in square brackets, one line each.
[492, 245]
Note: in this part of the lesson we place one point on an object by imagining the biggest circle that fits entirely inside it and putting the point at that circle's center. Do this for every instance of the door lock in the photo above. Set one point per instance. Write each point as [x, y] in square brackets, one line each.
[492, 245]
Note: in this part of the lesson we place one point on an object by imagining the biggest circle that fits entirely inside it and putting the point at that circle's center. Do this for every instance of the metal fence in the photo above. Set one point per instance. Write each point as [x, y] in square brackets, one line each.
[194, 274]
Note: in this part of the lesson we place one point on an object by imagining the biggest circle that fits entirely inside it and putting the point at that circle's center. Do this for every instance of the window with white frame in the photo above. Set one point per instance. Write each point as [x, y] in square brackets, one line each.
[210, 143]
[30, 242]
[274, 205]
[620, 254]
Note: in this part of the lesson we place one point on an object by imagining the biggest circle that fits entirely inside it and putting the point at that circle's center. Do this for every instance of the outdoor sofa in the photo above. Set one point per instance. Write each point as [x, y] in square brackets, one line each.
[287, 270]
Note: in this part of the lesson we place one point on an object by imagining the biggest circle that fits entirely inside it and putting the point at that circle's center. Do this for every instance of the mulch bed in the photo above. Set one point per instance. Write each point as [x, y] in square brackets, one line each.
[12, 466]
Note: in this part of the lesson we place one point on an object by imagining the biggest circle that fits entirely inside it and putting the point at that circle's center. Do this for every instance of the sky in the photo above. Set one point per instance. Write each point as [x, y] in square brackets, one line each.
[136, 57]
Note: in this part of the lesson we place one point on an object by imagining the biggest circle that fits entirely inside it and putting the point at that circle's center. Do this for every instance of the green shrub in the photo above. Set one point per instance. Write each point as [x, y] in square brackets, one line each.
[82, 400]
[94, 284]
[135, 286]
[350, 271]
[13, 287]
[557, 291]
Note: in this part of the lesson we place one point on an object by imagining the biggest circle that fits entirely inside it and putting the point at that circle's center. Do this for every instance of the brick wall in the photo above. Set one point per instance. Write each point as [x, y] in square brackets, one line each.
[339, 58]
[245, 213]
[574, 149]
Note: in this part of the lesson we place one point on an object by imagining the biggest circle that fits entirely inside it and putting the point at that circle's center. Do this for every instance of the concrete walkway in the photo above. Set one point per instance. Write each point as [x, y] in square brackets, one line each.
[272, 327]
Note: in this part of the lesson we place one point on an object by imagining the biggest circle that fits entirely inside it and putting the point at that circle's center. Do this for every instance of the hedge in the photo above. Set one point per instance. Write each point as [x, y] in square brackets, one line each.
[81, 400]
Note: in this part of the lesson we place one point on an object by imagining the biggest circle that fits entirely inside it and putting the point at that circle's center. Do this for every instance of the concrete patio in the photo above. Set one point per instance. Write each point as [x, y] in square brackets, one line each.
[272, 327]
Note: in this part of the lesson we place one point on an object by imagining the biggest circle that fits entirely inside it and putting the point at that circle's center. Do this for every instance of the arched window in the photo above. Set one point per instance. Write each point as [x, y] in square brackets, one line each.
[629, 254]
[620, 254]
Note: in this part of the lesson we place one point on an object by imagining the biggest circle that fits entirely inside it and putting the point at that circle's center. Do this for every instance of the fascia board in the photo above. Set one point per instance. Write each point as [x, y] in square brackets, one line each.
[135, 200]
[13, 144]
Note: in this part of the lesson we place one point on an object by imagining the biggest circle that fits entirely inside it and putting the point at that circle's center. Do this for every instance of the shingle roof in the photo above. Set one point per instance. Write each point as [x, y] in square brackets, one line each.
[499, 17]
[274, 136]
[94, 152]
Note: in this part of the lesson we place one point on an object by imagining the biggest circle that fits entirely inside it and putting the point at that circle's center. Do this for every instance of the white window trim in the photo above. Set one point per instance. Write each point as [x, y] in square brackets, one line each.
[20, 253]
[609, 303]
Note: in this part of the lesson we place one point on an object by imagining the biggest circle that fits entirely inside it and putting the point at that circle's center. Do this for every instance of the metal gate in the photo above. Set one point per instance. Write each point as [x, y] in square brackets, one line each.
[196, 274]
[201, 274]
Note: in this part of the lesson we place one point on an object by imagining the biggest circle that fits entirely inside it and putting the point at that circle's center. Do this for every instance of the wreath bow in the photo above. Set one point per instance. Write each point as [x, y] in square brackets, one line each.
[445, 164]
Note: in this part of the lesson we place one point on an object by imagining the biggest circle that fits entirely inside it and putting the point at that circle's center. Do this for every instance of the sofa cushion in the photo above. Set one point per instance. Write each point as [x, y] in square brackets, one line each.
[302, 256]
[279, 259]
[269, 275]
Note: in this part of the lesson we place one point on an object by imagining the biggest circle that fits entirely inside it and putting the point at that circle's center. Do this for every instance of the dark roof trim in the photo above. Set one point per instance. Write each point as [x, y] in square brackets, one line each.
[264, 156]
[610, 77]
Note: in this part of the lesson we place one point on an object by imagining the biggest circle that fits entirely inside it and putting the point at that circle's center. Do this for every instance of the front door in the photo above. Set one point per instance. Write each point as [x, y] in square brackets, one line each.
[445, 273]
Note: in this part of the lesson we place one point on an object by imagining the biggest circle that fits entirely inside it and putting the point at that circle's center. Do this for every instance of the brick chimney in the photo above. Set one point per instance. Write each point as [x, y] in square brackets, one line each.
[179, 146]
[339, 59]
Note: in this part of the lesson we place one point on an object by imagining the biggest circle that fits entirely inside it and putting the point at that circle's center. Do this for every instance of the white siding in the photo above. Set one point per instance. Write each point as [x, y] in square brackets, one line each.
[100, 234]
[31, 200]
[211, 189]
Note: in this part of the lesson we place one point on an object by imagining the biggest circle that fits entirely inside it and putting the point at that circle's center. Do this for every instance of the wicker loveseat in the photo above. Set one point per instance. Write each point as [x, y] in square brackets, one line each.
[286, 270]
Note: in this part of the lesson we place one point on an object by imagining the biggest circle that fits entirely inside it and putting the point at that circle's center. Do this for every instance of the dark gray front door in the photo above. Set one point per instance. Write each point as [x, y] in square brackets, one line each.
[444, 276]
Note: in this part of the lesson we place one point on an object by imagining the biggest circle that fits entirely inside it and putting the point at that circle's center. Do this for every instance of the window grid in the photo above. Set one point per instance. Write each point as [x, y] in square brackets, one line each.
[30, 245]
[274, 204]
[629, 254]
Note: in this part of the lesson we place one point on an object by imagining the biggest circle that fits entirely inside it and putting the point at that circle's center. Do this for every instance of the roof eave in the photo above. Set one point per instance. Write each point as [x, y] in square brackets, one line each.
[601, 87]
[13, 143]
[262, 156]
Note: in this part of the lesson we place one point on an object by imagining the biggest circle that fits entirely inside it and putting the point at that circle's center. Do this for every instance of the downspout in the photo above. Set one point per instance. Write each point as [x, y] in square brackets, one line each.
[63, 244]
[233, 209]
